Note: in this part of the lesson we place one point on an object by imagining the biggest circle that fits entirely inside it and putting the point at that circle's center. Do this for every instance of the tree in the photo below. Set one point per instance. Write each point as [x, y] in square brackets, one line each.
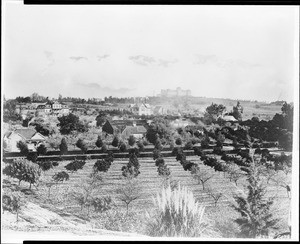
[42, 149]
[213, 112]
[82, 145]
[23, 147]
[237, 111]
[12, 201]
[123, 146]
[69, 123]
[234, 172]
[23, 170]
[178, 141]
[129, 192]
[116, 141]
[160, 128]
[101, 119]
[256, 218]
[201, 176]
[216, 195]
[63, 146]
[158, 144]
[99, 142]
[131, 140]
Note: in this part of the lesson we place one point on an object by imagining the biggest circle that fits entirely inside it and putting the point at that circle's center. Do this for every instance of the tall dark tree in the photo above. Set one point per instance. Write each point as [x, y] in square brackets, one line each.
[99, 142]
[256, 218]
[63, 146]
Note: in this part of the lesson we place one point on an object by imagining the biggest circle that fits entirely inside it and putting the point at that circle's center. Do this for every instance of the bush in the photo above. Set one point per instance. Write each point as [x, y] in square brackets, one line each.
[32, 156]
[140, 146]
[188, 145]
[23, 147]
[156, 154]
[104, 148]
[23, 170]
[159, 161]
[42, 149]
[99, 142]
[131, 140]
[61, 176]
[102, 165]
[102, 204]
[178, 214]
[123, 147]
[163, 170]
[158, 145]
[75, 165]
[45, 165]
[178, 141]
[82, 145]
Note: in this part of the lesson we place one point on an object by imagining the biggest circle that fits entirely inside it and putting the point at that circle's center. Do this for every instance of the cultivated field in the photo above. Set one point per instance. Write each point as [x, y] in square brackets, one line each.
[149, 183]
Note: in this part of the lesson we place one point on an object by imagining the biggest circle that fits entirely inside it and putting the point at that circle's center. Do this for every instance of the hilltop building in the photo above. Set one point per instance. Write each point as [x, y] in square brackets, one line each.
[175, 93]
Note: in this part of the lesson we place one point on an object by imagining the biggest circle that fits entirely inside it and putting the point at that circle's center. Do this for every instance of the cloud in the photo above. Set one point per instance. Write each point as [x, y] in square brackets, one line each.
[102, 57]
[49, 56]
[78, 58]
[165, 63]
[223, 63]
[105, 89]
[147, 61]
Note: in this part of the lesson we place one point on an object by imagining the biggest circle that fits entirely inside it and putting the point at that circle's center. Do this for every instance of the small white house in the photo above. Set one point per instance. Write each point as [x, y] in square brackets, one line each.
[30, 136]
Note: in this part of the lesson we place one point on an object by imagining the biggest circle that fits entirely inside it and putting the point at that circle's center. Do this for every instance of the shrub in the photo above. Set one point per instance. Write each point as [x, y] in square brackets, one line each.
[156, 154]
[178, 214]
[45, 165]
[102, 165]
[140, 146]
[178, 141]
[75, 165]
[23, 147]
[82, 145]
[102, 204]
[42, 149]
[159, 161]
[158, 145]
[188, 145]
[61, 176]
[23, 170]
[32, 156]
[104, 148]
[123, 147]
[99, 142]
[163, 170]
[131, 140]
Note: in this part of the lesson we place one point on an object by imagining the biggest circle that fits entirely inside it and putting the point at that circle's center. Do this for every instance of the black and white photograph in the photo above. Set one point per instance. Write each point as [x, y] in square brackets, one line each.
[149, 122]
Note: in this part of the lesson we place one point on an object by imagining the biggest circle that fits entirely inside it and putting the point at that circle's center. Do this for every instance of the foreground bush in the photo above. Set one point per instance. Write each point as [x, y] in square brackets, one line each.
[178, 214]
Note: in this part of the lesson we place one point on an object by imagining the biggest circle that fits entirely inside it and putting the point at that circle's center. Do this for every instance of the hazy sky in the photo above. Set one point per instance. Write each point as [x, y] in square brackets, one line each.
[244, 52]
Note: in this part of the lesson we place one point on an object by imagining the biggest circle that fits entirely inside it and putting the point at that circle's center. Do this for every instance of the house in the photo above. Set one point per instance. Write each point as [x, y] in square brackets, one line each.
[229, 118]
[141, 109]
[117, 126]
[44, 109]
[30, 136]
[177, 123]
[159, 110]
[138, 131]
